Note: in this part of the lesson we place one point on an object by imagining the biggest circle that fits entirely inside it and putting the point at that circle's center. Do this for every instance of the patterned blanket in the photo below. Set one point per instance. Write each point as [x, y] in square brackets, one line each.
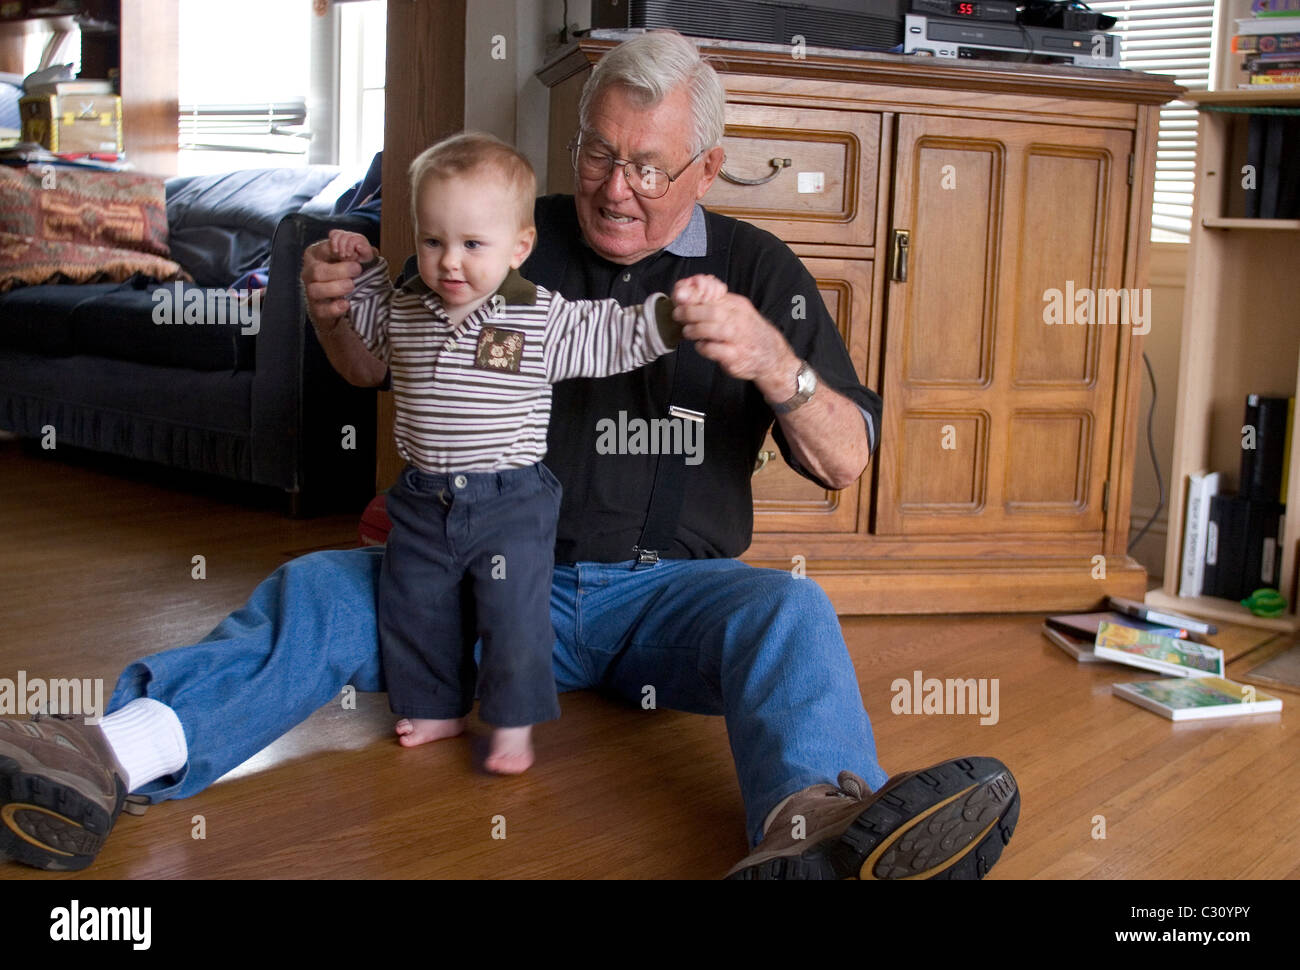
[62, 225]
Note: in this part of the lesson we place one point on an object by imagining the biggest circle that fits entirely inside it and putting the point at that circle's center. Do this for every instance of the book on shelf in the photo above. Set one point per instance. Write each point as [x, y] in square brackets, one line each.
[1184, 699]
[1286, 450]
[63, 89]
[1201, 487]
[1265, 526]
[1243, 550]
[1154, 651]
[1264, 440]
[1258, 26]
[1265, 43]
[1275, 8]
[1273, 153]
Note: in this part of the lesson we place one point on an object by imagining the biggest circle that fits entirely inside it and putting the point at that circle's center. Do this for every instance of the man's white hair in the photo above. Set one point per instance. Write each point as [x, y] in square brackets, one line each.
[653, 65]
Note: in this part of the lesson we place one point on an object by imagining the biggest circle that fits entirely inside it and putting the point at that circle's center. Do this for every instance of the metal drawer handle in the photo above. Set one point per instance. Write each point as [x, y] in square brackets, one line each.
[776, 163]
[763, 458]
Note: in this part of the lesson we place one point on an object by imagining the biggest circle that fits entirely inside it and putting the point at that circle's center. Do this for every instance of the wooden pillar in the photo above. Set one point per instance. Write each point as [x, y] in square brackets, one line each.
[424, 100]
[12, 43]
[150, 85]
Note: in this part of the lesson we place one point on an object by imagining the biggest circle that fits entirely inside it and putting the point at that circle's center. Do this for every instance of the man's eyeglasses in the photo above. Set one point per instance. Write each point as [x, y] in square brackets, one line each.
[645, 180]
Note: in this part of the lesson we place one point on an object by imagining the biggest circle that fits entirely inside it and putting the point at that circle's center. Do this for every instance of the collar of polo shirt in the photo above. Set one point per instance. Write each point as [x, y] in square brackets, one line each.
[516, 290]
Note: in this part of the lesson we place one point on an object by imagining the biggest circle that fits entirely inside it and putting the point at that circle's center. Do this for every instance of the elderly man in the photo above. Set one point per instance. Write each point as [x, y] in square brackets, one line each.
[647, 590]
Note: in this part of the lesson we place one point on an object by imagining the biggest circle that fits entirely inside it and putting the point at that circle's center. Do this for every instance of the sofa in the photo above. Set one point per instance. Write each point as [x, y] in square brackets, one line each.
[115, 366]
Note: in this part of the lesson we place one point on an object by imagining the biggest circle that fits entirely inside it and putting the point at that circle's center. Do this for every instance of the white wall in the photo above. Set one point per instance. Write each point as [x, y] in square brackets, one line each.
[502, 96]
[1168, 273]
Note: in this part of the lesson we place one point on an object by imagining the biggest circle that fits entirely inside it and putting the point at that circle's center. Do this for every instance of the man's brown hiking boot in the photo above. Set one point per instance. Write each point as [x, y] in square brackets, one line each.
[948, 821]
[61, 790]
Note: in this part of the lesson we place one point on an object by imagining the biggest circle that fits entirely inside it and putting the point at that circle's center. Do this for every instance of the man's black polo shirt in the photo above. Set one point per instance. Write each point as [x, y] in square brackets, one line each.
[606, 496]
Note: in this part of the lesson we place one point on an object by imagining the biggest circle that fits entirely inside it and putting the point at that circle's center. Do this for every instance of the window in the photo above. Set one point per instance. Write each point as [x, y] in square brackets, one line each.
[251, 96]
[244, 78]
[362, 45]
[1169, 37]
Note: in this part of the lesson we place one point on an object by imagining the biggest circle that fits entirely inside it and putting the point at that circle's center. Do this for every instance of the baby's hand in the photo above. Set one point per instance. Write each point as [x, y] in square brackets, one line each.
[347, 246]
[699, 289]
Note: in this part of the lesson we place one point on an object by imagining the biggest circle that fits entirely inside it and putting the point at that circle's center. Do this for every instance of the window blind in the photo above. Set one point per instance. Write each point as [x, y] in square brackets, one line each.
[272, 127]
[1170, 37]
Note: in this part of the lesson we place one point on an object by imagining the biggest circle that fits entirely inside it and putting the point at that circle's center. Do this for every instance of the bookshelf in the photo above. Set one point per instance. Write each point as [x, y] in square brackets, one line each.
[134, 41]
[1241, 335]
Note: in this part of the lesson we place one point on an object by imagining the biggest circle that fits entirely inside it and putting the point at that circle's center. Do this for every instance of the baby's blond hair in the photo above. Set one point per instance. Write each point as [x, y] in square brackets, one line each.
[473, 153]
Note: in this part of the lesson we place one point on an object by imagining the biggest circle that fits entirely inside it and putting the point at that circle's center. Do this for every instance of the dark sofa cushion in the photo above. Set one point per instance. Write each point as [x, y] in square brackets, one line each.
[221, 225]
[117, 321]
[39, 318]
[121, 324]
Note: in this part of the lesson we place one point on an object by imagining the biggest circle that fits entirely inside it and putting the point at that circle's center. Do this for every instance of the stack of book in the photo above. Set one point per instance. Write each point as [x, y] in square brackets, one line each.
[1137, 636]
[1268, 43]
[1232, 544]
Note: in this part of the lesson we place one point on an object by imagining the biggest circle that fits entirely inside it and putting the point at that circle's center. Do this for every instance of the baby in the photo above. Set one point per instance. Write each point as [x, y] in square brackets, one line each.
[473, 348]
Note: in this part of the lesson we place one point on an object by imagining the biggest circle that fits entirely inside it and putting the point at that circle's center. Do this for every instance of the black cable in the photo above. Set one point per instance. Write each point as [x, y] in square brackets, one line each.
[1155, 464]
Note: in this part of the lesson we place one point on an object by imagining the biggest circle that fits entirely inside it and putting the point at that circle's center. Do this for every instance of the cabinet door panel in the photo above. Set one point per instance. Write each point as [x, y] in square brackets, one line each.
[998, 417]
[959, 230]
[785, 501]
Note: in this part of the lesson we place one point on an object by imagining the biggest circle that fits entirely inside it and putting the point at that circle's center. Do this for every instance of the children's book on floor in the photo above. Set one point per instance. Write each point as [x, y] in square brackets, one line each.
[1080, 648]
[1185, 699]
[1153, 651]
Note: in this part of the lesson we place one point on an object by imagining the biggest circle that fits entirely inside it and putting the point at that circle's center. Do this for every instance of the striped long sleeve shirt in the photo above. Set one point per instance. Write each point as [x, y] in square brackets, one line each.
[477, 396]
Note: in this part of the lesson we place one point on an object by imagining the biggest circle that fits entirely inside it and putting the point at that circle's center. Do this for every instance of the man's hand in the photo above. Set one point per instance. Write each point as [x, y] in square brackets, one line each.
[699, 289]
[728, 330]
[327, 277]
[827, 435]
[328, 269]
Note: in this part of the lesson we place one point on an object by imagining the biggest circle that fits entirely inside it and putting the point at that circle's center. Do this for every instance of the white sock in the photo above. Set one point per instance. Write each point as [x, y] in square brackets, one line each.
[147, 737]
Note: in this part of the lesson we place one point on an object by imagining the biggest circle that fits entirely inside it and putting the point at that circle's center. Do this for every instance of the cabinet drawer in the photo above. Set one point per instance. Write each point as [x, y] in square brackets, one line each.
[827, 194]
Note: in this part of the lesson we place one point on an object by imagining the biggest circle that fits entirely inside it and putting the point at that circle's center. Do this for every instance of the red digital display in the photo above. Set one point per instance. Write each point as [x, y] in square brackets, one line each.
[966, 9]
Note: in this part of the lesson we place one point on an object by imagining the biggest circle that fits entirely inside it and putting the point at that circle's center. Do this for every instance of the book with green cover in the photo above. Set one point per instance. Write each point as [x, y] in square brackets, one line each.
[1183, 699]
[1152, 651]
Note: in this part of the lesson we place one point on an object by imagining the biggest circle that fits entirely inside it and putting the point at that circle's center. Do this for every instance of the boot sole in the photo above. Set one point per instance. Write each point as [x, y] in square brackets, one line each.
[950, 821]
[47, 824]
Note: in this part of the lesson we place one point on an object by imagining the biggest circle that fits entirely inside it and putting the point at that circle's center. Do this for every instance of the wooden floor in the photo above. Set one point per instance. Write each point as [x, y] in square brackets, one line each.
[95, 571]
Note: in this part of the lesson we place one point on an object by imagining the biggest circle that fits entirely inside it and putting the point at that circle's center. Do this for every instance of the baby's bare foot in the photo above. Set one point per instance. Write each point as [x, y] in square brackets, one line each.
[511, 752]
[420, 730]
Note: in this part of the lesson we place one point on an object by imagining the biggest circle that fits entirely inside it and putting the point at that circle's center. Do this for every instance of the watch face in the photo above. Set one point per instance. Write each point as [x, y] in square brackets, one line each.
[807, 381]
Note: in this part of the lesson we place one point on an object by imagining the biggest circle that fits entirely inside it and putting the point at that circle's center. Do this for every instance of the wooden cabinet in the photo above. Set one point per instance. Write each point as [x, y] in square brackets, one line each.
[951, 214]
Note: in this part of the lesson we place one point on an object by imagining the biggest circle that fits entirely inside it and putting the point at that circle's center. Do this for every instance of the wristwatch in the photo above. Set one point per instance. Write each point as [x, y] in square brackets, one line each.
[805, 383]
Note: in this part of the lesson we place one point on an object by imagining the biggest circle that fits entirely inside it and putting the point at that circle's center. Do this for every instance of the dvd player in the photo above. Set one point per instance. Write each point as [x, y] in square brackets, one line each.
[988, 41]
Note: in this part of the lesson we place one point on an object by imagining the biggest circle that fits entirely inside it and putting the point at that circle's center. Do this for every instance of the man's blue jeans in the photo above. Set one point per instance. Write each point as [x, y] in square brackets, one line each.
[758, 646]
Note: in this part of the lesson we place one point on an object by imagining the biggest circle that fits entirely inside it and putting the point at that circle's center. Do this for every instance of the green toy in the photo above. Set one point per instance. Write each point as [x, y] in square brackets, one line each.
[1265, 602]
